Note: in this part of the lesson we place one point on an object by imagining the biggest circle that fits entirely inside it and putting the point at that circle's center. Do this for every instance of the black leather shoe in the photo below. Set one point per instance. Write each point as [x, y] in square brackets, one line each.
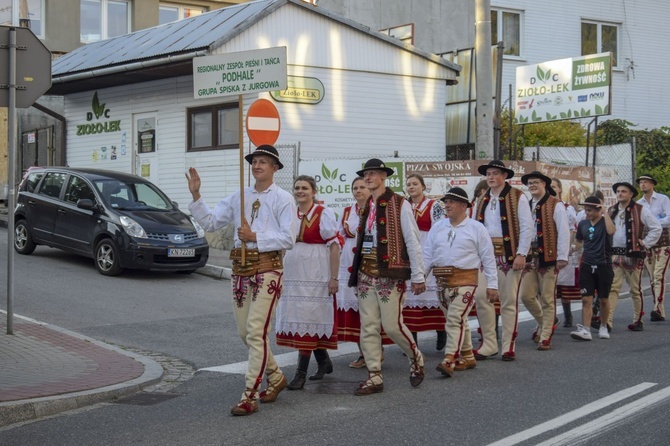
[325, 368]
[568, 321]
[656, 317]
[637, 326]
[441, 340]
[298, 381]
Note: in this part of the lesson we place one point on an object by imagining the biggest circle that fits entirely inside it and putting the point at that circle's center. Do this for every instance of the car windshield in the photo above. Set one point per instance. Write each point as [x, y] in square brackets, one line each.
[135, 196]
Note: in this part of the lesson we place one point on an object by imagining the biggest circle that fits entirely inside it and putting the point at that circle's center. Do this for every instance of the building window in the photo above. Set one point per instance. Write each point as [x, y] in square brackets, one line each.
[506, 28]
[171, 13]
[404, 33]
[31, 15]
[600, 38]
[214, 127]
[104, 19]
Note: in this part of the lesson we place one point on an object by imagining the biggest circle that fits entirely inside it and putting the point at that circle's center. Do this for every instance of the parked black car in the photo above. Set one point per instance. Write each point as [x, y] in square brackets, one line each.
[119, 220]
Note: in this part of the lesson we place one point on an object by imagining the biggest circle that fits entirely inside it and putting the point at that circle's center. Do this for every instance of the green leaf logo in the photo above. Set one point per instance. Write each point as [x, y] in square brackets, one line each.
[542, 75]
[327, 174]
[98, 108]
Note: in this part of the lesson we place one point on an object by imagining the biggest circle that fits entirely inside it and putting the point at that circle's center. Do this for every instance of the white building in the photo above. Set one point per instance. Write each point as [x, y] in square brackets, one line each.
[130, 106]
[536, 31]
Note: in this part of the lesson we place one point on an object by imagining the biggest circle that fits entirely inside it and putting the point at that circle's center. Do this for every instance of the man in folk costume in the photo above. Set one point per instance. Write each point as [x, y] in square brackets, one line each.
[505, 212]
[388, 253]
[550, 248]
[629, 248]
[455, 250]
[267, 230]
[658, 256]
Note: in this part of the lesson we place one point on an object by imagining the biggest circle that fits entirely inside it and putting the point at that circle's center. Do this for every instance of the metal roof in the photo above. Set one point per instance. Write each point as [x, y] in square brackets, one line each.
[166, 50]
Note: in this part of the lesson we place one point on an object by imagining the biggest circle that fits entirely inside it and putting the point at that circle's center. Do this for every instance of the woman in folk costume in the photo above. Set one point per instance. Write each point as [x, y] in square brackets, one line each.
[423, 312]
[348, 318]
[305, 317]
[567, 287]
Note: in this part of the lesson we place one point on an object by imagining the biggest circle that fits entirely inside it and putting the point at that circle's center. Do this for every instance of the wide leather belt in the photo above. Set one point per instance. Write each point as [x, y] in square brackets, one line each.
[255, 262]
[665, 238]
[369, 264]
[619, 251]
[498, 246]
[450, 277]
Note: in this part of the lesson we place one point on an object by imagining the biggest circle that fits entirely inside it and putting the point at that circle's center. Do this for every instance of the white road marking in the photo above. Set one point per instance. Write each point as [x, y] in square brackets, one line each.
[258, 123]
[286, 359]
[574, 415]
[588, 431]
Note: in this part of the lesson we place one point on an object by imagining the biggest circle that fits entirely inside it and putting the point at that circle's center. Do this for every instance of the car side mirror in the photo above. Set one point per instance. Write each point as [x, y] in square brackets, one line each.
[175, 204]
[86, 203]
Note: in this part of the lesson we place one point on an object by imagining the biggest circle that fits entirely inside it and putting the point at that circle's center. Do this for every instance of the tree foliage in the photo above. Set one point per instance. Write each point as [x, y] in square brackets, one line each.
[565, 133]
[652, 149]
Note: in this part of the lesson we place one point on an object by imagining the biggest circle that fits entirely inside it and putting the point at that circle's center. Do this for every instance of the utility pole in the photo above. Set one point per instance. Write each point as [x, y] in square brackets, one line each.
[484, 111]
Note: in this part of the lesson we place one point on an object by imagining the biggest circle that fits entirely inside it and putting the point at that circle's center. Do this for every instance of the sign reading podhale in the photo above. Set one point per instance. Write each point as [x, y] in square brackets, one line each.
[239, 73]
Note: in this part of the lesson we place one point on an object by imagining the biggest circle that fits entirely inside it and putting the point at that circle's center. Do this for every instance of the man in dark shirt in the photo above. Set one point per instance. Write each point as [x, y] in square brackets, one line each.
[595, 270]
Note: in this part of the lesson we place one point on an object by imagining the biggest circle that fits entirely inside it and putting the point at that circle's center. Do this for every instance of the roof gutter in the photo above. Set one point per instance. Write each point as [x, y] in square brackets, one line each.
[127, 67]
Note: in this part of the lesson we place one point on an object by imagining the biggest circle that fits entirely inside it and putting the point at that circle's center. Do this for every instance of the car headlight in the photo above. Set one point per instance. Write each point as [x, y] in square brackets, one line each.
[198, 228]
[132, 227]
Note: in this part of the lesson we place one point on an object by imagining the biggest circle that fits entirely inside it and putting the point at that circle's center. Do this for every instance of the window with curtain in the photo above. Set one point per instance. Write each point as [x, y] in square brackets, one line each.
[213, 127]
[506, 27]
[103, 19]
[600, 37]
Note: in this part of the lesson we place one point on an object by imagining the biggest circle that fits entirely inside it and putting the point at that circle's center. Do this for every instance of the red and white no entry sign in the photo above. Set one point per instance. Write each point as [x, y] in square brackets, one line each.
[263, 122]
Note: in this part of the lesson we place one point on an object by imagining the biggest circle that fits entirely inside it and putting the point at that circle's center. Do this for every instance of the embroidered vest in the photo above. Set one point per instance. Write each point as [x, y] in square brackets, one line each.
[509, 217]
[392, 257]
[547, 233]
[424, 218]
[349, 231]
[309, 227]
[634, 228]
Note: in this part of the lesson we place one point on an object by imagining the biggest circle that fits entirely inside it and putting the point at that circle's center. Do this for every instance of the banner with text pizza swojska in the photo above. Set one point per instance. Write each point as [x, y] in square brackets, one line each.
[334, 177]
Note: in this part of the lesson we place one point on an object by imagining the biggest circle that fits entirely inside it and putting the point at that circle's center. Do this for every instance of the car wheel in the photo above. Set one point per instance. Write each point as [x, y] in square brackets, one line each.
[107, 258]
[23, 241]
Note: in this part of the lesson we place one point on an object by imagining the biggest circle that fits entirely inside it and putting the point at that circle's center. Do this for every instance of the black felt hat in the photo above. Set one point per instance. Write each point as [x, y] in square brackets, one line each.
[498, 165]
[625, 184]
[648, 178]
[375, 164]
[591, 201]
[267, 150]
[458, 194]
[543, 177]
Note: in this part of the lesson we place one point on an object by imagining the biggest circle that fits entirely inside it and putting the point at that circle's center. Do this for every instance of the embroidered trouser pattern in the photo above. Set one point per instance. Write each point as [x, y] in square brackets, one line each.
[508, 288]
[254, 302]
[380, 303]
[657, 265]
[631, 270]
[538, 294]
[456, 304]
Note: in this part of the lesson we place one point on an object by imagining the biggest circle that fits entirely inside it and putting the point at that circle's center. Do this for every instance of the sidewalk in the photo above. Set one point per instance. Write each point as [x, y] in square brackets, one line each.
[46, 370]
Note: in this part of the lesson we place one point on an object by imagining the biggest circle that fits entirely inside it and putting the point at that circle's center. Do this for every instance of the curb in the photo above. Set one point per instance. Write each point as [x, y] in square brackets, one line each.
[26, 410]
[217, 272]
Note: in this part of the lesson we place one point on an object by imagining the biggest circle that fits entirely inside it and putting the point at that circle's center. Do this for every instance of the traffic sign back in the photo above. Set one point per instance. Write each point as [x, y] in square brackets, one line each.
[33, 67]
[263, 123]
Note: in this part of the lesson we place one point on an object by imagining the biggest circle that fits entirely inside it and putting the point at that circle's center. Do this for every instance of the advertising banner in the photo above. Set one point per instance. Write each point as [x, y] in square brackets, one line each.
[334, 177]
[564, 89]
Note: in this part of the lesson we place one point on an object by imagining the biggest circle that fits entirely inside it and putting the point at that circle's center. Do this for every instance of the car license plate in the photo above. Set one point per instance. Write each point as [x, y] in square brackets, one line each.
[181, 252]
